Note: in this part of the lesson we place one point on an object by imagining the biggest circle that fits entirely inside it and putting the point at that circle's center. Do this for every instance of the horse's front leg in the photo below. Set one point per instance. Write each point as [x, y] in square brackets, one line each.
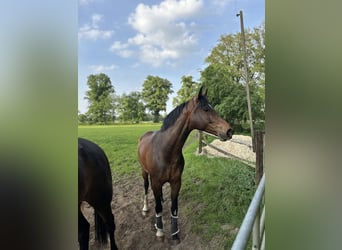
[157, 192]
[146, 184]
[175, 187]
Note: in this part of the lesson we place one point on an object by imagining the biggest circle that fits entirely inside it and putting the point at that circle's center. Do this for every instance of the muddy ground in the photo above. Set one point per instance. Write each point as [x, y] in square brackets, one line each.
[136, 231]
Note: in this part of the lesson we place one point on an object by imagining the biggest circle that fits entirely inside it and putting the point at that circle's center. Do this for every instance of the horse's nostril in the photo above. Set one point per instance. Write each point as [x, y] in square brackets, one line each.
[230, 132]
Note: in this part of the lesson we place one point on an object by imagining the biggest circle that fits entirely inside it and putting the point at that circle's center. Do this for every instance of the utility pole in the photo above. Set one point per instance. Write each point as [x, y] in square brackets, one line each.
[246, 76]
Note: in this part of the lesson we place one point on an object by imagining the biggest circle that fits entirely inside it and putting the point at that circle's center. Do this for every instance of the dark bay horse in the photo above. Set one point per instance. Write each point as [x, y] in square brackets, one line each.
[95, 187]
[160, 152]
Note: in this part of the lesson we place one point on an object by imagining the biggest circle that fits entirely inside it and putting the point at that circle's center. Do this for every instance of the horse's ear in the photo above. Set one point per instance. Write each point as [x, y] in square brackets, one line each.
[200, 93]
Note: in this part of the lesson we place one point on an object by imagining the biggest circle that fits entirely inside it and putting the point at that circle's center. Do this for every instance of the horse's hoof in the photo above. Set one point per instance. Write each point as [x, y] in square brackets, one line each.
[145, 208]
[144, 212]
[160, 239]
[160, 233]
[175, 239]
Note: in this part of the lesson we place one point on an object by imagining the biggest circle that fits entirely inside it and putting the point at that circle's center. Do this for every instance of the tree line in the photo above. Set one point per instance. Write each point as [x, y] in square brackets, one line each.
[223, 77]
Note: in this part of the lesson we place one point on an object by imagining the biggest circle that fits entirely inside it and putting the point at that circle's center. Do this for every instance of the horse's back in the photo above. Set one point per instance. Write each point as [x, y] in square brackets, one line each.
[89, 151]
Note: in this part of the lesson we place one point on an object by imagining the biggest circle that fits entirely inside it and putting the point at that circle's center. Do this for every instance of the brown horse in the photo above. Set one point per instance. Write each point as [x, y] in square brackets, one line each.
[160, 152]
[95, 187]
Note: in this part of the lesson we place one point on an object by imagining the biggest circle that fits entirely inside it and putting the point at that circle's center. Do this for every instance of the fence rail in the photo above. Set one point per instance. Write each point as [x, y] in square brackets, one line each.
[202, 142]
[252, 218]
[248, 222]
[250, 145]
[251, 163]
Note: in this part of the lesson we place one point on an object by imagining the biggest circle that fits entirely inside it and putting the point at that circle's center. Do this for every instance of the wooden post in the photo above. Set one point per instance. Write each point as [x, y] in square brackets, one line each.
[200, 138]
[246, 77]
[259, 164]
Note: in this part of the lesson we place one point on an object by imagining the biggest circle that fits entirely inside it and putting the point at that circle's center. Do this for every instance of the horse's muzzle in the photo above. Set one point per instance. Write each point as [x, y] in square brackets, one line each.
[230, 133]
[226, 136]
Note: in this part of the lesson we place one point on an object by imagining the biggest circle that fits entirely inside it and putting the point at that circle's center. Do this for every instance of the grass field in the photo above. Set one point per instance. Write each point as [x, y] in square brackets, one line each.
[120, 144]
[217, 190]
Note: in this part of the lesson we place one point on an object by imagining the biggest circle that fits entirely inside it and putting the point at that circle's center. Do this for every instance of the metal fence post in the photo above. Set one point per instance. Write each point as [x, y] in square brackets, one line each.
[259, 170]
[256, 233]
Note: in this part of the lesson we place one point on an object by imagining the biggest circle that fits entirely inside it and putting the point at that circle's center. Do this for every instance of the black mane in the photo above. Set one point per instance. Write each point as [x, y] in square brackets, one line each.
[172, 116]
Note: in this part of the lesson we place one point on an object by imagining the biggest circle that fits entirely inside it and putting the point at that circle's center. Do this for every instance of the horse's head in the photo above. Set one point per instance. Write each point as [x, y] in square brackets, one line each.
[204, 117]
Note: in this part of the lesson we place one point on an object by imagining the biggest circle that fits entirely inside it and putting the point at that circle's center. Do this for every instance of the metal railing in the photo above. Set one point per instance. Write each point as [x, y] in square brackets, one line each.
[251, 220]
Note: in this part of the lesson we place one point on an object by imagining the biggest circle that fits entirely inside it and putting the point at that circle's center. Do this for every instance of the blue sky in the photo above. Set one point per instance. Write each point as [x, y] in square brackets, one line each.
[129, 40]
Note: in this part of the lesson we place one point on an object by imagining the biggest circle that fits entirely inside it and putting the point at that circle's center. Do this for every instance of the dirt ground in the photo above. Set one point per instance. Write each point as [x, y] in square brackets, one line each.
[136, 231]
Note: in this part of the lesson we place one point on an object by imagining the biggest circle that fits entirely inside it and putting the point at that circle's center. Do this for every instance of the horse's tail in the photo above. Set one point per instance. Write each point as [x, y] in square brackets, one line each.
[101, 233]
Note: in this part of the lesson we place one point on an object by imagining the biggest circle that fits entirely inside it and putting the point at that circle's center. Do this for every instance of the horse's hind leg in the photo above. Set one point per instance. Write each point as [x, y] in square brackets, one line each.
[146, 185]
[83, 231]
[157, 192]
[108, 218]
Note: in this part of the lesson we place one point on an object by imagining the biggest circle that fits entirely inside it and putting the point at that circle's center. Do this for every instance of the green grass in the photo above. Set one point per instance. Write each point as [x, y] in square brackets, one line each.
[119, 143]
[215, 192]
[219, 191]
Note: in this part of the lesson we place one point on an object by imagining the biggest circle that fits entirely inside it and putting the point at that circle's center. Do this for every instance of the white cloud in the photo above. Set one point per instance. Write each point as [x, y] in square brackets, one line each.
[146, 19]
[121, 49]
[86, 2]
[221, 3]
[125, 53]
[218, 7]
[102, 68]
[165, 31]
[135, 65]
[96, 18]
[117, 45]
[92, 31]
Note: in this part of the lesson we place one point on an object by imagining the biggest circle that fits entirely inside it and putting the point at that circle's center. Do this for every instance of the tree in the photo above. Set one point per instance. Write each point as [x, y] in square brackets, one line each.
[101, 98]
[228, 97]
[224, 75]
[228, 52]
[82, 118]
[188, 90]
[220, 85]
[131, 107]
[155, 94]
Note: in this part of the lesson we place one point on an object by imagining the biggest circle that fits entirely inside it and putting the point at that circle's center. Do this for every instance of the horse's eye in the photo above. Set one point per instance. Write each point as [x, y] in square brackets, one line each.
[206, 108]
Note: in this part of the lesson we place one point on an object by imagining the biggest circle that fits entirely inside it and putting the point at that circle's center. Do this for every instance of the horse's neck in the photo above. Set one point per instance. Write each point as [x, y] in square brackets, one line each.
[178, 133]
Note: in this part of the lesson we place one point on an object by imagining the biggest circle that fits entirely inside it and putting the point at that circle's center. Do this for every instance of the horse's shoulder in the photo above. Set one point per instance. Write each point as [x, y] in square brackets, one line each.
[147, 135]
